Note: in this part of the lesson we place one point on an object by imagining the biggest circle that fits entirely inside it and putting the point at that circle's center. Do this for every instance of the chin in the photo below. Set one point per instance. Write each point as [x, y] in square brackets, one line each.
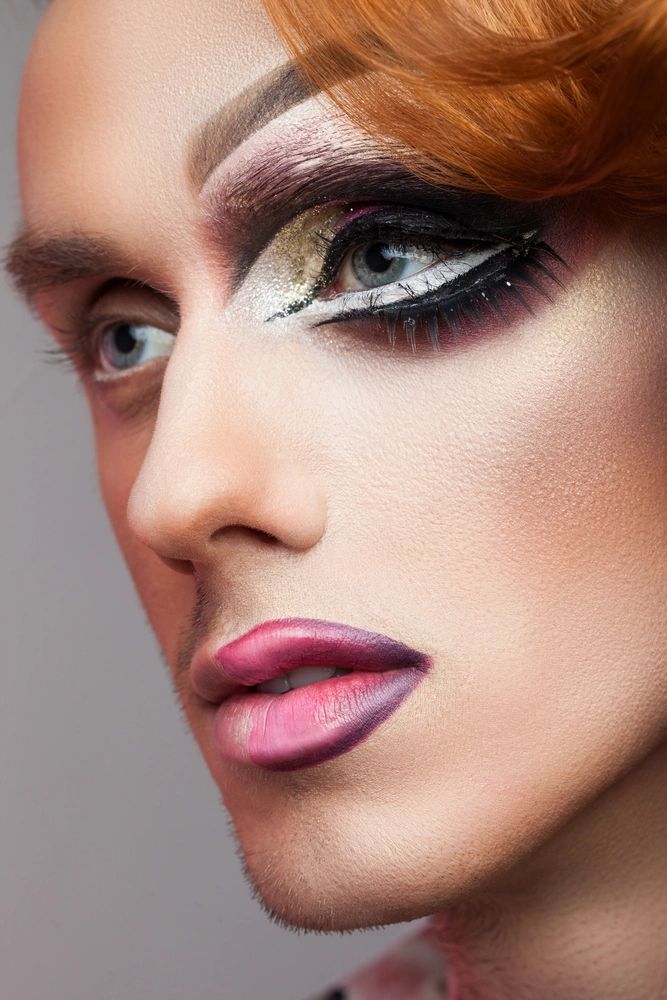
[364, 846]
[329, 870]
[320, 899]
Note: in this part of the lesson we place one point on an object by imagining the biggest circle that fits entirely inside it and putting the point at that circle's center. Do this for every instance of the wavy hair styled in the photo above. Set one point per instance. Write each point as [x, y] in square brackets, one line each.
[529, 99]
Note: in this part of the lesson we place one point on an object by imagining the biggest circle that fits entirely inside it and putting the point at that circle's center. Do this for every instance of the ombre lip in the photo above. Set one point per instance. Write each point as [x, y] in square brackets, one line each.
[311, 724]
[275, 647]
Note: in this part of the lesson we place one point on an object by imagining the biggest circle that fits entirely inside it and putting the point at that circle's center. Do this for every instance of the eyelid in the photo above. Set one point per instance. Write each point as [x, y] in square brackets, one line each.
[411, 226]
[80, 333]
[279, 180]
[419, 229]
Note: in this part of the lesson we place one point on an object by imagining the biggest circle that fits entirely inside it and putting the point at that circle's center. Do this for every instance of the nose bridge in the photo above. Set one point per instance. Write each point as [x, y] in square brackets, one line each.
[223, 454]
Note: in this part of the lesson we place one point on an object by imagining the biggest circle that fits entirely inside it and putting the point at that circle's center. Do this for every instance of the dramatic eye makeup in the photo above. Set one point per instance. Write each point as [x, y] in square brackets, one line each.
[409, 267]
[341, 236]
[344, 239]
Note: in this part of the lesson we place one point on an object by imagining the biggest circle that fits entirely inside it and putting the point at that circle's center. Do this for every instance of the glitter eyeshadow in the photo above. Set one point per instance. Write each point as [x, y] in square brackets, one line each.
[296, 257]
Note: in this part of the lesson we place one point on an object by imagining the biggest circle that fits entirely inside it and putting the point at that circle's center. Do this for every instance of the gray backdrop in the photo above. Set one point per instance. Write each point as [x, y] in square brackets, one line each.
[118, 877]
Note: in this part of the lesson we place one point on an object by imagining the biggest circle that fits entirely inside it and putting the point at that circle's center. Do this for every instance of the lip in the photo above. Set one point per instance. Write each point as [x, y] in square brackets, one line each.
[311, 724]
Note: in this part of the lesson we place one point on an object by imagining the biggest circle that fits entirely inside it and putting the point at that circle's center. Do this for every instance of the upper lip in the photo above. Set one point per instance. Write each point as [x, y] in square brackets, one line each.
[275, 647]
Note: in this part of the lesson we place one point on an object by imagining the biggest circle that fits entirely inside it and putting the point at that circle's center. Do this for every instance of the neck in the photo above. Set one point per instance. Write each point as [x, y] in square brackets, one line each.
[585, 916]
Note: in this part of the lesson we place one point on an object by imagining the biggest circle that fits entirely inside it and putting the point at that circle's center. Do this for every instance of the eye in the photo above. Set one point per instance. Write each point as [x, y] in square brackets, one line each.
[417, 271]
[372, 265]
[405, 263]
[126, 345]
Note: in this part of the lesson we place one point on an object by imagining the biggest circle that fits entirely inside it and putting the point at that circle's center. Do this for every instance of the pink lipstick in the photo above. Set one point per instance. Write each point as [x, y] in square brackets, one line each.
[338, 685]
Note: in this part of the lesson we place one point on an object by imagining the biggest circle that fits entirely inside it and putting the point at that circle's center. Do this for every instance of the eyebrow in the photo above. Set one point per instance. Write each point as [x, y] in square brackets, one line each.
[248, 112]
[265, 99]
[35, 262]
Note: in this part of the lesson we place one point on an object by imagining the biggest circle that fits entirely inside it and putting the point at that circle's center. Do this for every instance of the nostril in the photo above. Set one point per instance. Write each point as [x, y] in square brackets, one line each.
[226, 530]
[180, 565]
[266, 536]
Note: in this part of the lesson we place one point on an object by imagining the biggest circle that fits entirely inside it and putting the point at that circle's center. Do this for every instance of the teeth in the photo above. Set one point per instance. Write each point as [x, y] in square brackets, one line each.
[299, 677]
[308, 675]
[277, 686]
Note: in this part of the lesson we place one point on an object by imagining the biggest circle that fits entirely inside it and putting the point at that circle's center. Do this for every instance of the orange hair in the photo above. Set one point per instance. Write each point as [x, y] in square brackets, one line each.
[529, 99]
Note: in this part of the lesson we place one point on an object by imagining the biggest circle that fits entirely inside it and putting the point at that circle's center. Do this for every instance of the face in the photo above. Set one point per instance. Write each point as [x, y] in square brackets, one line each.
[323, 390]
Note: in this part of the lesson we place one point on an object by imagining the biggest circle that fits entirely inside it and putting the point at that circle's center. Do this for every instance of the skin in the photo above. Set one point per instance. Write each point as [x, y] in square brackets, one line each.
[520, 792]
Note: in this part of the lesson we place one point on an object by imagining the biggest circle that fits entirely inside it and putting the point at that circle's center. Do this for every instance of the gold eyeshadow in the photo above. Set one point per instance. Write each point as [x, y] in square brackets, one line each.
[292, 263]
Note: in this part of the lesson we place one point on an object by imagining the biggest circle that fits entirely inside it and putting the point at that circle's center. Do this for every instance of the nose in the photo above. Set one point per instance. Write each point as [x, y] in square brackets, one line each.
[226, 453]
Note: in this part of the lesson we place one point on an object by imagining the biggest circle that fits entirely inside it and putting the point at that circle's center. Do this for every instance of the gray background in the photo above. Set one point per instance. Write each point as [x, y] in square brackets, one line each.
[118, 876]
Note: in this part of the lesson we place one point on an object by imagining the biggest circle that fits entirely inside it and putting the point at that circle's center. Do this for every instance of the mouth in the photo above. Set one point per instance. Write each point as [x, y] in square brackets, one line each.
[298, 678]
[295, 692]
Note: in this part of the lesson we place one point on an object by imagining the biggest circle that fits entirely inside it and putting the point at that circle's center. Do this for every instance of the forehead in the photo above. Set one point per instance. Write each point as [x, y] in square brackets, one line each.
[111, 93]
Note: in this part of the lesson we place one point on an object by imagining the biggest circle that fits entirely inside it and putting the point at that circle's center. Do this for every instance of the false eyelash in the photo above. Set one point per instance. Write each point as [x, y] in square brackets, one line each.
[391, 226]
[427, 313]
[405, 228]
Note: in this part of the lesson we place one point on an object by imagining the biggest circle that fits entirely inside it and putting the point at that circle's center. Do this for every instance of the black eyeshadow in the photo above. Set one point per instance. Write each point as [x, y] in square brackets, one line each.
[250, 206]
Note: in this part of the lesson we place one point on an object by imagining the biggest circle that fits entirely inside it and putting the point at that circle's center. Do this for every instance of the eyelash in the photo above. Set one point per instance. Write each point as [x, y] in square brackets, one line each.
[82, 339]
[526, 260]
[427, 314]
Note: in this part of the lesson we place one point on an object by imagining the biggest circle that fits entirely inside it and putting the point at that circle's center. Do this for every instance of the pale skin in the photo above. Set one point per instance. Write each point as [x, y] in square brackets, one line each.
[501, 505]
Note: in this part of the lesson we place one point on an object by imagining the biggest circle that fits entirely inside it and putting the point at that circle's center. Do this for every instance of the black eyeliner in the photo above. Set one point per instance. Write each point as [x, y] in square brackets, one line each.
[401, 227]
[434, 311]
[250, 206]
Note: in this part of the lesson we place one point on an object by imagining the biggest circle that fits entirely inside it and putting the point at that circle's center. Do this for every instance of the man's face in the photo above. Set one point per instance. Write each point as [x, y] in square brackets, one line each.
[498, 505]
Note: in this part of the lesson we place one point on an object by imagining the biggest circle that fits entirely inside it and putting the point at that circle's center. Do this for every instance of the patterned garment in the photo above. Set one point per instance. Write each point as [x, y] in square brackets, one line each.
[414, 969]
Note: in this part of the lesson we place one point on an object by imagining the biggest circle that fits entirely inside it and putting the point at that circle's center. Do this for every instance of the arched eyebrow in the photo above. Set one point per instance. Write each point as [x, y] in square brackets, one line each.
[248, 112]
[262, 101]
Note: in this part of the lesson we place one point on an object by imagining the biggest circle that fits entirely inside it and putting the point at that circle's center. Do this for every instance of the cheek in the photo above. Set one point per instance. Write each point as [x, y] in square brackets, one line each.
[582, 486]
[514, 517]
[533, 466]
[165, 595]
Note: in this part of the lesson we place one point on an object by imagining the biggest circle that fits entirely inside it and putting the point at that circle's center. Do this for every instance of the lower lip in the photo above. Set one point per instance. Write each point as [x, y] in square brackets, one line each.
[312, 724]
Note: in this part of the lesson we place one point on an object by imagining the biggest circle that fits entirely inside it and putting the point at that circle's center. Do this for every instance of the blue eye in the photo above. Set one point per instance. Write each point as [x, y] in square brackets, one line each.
[127, 345]
[373, 265]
